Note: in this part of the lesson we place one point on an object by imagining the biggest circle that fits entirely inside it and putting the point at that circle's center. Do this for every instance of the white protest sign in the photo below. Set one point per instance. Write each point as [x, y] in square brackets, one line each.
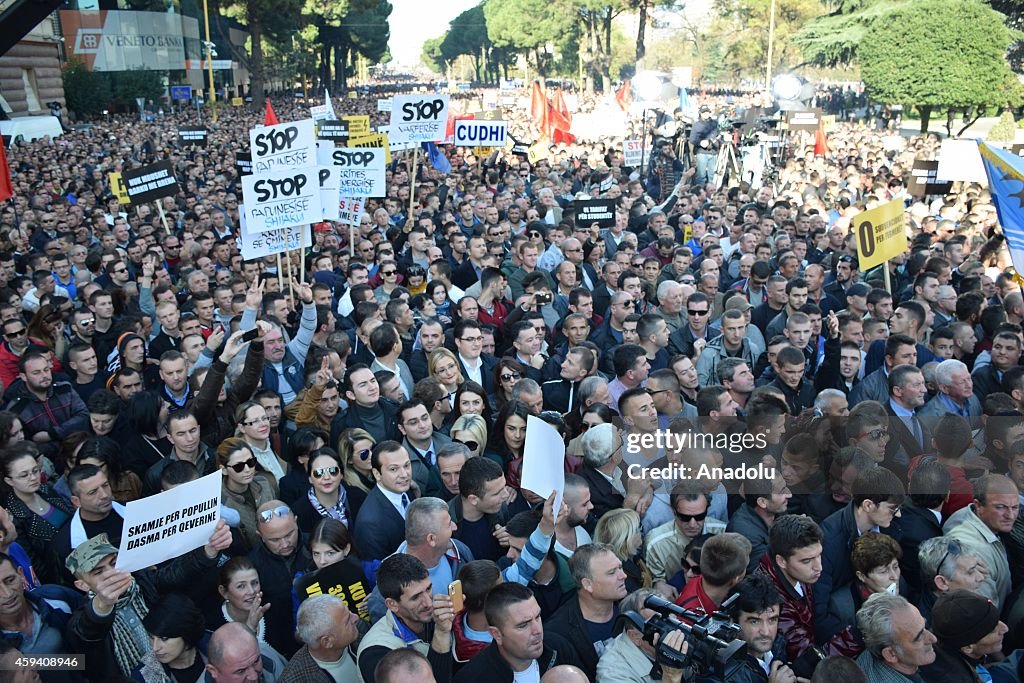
[256, 245]
[360, 171]
[320, 112]
[476, 133]
[961, 160]
[285, 145]
[632, 152]
[384, 104]
[330, 184]
[350, 210]
[169, 524]
[282, 198]
[324, 150]
[543, 460]
[418, 118]
[397, 146]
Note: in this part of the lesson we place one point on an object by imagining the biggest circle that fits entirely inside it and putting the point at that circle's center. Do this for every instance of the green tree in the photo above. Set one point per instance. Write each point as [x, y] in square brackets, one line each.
[939, 53]
[832, 39]
[432, 56]
[528, 27]
[741, 30]
[468, 36]
[274, 20]
[86, 92]
[125, 86]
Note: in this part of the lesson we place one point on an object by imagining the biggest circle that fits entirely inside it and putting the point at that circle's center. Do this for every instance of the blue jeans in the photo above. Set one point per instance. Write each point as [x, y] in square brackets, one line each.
[706, 164]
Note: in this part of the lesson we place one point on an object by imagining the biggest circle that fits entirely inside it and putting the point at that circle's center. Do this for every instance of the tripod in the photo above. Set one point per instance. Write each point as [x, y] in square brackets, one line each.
[728, 167]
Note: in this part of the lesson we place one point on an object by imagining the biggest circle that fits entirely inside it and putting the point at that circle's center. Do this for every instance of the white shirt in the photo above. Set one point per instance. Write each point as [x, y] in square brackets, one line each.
[530, 675]
[474, 372]
[343, 670]
[395, 498]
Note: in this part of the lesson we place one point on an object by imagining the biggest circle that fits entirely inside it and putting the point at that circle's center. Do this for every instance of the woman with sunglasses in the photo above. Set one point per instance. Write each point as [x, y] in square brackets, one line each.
[390, 280]
[254, 428]
[303, 442]
[37, 511]
[620, 529]
[444, 367]
[354, 447]
[326, 496]
[243, 490]
[471, 432]
[507, 374]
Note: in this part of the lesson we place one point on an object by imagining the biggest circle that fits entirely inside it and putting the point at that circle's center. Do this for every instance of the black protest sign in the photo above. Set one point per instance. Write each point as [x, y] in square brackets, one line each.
[150, 183]
[343, 579]
[243, 163]
[193, 135]
[600, 211]
[518, 146]
[338, 131]
[924, 179]
[804, 120]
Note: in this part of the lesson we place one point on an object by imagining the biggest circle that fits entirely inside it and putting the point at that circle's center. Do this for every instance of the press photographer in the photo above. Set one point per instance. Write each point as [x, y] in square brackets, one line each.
[630, 659]
[704, 141]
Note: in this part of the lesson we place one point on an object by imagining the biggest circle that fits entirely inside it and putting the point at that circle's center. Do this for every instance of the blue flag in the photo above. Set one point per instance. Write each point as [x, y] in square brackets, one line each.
[438, 160]
[1005, 172]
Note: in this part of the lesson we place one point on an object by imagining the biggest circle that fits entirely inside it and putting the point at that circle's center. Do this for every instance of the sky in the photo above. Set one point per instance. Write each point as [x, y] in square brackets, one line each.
[414, 21]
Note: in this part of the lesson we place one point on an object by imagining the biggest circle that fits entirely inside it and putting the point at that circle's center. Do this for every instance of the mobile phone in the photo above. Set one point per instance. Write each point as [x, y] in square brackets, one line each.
[542, 297]
[249, 335]
[455, 593]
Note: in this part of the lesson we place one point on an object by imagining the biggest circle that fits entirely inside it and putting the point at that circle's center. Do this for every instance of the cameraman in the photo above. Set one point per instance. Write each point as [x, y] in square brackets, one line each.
[665, 171]
[704, 140]
[630, 657]
[756, 612]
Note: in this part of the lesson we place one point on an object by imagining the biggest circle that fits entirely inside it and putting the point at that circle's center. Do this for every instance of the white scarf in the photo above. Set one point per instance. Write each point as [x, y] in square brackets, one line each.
[78, 535]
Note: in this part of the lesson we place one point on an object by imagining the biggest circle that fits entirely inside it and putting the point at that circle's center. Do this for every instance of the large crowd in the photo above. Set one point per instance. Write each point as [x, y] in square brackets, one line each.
[854, 443]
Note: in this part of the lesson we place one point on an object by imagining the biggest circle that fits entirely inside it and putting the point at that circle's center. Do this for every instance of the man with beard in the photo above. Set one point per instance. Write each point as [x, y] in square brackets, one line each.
[569, 531]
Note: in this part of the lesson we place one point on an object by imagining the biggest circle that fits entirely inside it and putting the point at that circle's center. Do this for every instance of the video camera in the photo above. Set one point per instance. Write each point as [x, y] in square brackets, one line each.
[712, 638]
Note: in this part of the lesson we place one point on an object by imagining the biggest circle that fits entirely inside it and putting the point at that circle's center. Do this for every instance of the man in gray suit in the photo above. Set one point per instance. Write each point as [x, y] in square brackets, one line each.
[956, 394]
[386, 345]
[422, 443]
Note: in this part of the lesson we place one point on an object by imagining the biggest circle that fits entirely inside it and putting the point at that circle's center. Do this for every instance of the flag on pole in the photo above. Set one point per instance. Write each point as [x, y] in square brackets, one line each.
[6, 187]
[561, 120]
[820, 141]
[437, 158]
[1005, 173]
[330, 105]
[623, 96]
[269, 117]
[539, 107]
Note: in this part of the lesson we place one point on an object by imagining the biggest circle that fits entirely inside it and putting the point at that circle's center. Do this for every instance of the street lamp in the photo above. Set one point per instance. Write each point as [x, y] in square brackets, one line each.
[211, 52]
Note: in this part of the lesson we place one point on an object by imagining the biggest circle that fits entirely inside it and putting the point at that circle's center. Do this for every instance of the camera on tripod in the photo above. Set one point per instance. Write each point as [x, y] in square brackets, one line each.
[713, 639]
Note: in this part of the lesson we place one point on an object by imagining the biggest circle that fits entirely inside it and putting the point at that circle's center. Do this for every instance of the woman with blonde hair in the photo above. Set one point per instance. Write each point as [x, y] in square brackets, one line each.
[243, 490]
[620, 529]
[444, 367]
[471, 432]
[254, 429]
[354, 448]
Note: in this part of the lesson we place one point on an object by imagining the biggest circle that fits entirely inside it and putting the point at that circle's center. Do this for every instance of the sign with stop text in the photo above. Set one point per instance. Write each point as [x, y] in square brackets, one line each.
[283, 146]
[880, 234]
[360, 171]
[282, 199]
[418, 118]
[169, 524]
[477, 133]
[256, 245]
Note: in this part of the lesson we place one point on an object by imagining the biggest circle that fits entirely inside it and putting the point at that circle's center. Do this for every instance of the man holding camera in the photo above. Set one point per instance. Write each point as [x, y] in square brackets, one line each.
[704, 139]
[630, 657]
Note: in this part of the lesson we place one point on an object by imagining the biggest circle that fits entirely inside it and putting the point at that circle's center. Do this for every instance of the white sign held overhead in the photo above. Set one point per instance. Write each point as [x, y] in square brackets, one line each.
[169, 524]
[283, 146]
[256, 245]
[419, 118]
[632, 152]
[961, 160]
[384, 104]
[320, 112]
[543, 461]
[361, 171]
[282, 199]
[350, 209]
[473, 133]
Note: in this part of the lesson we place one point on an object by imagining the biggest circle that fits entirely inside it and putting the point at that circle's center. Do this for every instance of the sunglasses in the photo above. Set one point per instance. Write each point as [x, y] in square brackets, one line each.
[471, 445]
[692, 518]
[280, 511]
[388, 273]
[875, 434]
[364, 454]
[693, 312]
[321, 472]
[239, 466]
[509, 376]
[691, 567]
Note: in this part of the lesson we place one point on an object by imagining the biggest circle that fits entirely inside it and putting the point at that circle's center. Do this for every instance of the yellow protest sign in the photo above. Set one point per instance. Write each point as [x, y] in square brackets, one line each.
[376, 141]
[880, 234]
[483, 151]
[357, 125]
[352, 95]
[538, 152]
[236, 101]
[828, 121]
[118, 188]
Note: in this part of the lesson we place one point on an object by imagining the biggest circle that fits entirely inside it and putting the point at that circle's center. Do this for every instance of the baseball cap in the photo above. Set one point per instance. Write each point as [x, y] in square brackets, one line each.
[738, 303]
[962, 618]
[87, 555]
[704, 108]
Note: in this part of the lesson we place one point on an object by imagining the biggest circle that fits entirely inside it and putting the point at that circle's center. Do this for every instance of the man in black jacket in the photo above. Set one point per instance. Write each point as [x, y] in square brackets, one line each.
[602, 454]
[586, 623]
[919, 518]
[519, 643]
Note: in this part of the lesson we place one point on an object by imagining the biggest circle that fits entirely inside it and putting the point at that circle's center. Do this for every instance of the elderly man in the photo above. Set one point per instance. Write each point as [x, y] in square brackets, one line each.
[956, 394]
[235, 656]
[896, 640]
[602, 455]
[327, 628]
[969, 631]
[982, 525]
[670, 304]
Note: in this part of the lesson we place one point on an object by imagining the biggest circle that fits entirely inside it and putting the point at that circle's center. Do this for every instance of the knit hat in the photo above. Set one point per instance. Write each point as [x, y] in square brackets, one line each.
[962, 618]
[87, 555]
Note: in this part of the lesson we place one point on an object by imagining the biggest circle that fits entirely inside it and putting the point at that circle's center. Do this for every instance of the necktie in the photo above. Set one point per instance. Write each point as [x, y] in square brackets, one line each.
[429, 457]
[405, 502]
[918, 434]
